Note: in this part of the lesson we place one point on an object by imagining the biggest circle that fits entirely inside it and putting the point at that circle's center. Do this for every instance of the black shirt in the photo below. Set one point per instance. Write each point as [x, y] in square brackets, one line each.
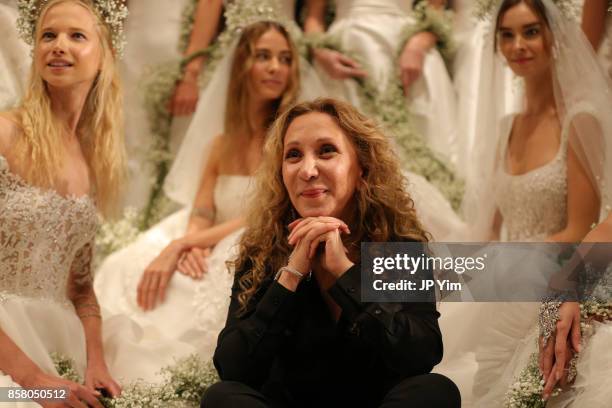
[288, 347]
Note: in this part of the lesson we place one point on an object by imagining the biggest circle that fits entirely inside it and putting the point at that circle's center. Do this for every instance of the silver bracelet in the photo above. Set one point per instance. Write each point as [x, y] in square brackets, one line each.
[292, 271]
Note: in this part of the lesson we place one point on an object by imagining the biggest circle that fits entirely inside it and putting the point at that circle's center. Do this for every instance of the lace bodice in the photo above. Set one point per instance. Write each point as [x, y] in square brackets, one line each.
[43, 237]
[533, 205]
[232, 193]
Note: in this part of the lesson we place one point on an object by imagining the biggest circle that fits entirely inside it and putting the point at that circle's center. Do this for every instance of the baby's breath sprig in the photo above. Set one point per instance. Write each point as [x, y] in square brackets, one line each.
[113, 13]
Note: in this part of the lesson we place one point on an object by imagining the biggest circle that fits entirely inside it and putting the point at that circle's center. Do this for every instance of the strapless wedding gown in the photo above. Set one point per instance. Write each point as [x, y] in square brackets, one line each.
[372, 30]
[15, 58]
[44, 237]
[194, 310]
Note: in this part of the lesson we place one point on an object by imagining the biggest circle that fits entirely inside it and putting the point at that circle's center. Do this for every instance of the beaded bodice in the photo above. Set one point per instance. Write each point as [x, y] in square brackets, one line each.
[533, 205]
[43, 238]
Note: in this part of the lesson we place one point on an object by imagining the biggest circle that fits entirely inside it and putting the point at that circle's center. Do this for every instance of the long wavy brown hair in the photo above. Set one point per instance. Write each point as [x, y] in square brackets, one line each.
[384, 209]
[237, 108]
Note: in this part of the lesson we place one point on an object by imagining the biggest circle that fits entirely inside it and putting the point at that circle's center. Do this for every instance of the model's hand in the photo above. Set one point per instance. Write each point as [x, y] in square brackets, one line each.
[155, 279]
[79, 396]
[193, 262]
[185, 98]
[97, 377]
[564, 342]
[412, 58]
[338, 65]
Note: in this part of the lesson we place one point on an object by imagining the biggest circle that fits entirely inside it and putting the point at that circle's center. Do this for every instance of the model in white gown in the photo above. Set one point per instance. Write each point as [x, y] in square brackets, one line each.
[194, 310]
[44, 236]
[15, 58]
[372, 30]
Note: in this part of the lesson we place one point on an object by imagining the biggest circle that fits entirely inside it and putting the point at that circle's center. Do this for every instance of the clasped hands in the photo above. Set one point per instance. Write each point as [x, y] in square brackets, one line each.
[306, 234]
[554, 357]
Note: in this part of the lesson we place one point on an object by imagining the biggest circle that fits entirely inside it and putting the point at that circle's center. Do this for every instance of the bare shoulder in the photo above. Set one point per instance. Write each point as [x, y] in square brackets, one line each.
[217, 146]
[218, 142]
[9, 131]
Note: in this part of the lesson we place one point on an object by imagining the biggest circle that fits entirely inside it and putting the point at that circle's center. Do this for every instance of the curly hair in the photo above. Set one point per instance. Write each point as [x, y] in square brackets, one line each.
[100, 128]
[384, 209]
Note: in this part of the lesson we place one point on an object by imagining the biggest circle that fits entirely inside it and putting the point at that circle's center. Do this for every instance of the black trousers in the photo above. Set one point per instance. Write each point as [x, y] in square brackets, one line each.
[427, 390]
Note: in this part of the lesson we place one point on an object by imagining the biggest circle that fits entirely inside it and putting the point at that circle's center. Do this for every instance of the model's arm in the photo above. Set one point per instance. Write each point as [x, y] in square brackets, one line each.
[582, 202]
[205, 27]
[81, 293]
[335, 64]
[594, 20]
[315, 16]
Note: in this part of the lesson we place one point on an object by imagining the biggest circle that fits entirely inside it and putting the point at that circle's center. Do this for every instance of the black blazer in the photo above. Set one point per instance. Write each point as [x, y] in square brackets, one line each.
[288, 347]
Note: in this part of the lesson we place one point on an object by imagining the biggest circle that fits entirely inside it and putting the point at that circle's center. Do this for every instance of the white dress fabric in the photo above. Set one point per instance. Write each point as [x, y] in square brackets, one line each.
[152, 34]
[194, 310]
[474, 55]
[44, 239]
[488, 344]
[605, 49]
[372, 30]
[15, 58]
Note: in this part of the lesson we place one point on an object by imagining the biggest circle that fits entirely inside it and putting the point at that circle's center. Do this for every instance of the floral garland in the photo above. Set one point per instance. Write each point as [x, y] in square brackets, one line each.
[388, 107]
[183, 386]
[114, 235]
[112, 12]
[526, 391]
[436, 21]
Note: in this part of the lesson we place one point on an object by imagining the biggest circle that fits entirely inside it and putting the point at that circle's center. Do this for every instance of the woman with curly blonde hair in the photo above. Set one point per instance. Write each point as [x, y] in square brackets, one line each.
[297, 333]
[61, 160]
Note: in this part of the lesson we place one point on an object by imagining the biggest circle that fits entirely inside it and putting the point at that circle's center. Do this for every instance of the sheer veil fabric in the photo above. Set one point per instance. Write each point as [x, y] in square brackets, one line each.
[208, 121]
[583, 98]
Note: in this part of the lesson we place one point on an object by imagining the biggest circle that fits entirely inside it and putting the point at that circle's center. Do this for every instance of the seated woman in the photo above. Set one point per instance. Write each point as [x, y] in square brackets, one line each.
[141, 277]
[297, 332]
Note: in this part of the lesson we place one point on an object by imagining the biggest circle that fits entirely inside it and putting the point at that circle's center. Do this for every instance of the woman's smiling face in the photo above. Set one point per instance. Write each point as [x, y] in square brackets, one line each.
[320, 167]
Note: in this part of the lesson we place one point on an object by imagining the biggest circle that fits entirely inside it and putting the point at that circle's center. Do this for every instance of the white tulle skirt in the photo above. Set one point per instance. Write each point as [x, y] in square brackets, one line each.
[193, 313]
[39, 328]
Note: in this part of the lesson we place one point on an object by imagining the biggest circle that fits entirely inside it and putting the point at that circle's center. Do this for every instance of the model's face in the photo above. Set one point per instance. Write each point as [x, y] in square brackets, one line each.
[523, 41]
[269, 75]
[320, 167]
[69, 52]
